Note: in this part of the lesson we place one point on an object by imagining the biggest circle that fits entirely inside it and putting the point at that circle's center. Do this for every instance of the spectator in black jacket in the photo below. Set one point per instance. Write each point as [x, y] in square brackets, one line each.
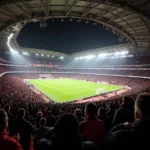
[37, 120]
[29, 118]
[138, 133]
[42, 131]
[50, 119]
[102, 116]
[111, 112]
[124, 113]
[7, 109]
[24, 128]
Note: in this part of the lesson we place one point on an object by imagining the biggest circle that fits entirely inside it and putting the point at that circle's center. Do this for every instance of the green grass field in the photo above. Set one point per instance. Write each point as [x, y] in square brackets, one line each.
[66, 90]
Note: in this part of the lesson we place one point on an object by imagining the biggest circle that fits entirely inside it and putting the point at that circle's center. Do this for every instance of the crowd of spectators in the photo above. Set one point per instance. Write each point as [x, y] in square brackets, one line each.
[27, 122]
[144, 72]
[13, 87]
[109, 71]
[26, 125]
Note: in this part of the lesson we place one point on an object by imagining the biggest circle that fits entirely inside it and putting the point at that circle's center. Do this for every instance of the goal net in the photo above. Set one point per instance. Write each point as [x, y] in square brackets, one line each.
[100, 90]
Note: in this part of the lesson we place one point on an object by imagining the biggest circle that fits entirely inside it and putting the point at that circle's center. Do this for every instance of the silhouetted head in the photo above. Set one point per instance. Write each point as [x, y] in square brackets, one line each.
[78, 112]
[90, 110]
[126, 100]
[49, 113]
[7, 108]
[67, 131]
[142, 107]
[21, 113]
[39, 114]
[42, 122]
[101, 112]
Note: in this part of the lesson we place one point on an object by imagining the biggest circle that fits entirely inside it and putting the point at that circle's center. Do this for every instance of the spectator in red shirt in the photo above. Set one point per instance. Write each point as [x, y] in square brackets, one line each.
[92, 129]
[6, 143]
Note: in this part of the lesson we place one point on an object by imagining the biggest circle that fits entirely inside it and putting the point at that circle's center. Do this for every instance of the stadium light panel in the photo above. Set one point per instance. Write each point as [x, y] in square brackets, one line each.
[8, 43]
[93, 56]
[15, 52]
[102, 55]
[25, 53]
[112, 57]
[123, 56]
[36, 54]
[61, 57]
[124, 53]
[47, 55]
[117, 53]
[42, 55]
[89, 56]
[9, 46]
[130, 56]
[53, 56]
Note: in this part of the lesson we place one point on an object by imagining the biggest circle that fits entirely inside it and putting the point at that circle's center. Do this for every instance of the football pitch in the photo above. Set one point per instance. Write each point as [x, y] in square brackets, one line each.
[67, 90]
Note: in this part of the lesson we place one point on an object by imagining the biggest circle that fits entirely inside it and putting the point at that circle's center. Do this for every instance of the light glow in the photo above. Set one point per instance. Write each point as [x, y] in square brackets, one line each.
[25, 53]
[8, 44]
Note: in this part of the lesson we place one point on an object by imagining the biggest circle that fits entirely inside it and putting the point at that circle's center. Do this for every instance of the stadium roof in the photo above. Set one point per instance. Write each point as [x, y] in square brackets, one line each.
[128, 18]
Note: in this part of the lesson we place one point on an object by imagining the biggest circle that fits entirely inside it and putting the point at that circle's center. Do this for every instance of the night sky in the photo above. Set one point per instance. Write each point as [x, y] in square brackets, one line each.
[67, 36]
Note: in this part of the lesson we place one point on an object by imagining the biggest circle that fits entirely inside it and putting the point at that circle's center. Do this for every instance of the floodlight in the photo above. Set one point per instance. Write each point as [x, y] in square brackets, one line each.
[123, 56]
[8, 42]
[90, 56]
[112, 57]
[42, 55]
[25, 53]
[61, 57]
[130, 56]
[52, 56]
[117, 53]
[36, 54]
[102, 55]
[124, 52]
